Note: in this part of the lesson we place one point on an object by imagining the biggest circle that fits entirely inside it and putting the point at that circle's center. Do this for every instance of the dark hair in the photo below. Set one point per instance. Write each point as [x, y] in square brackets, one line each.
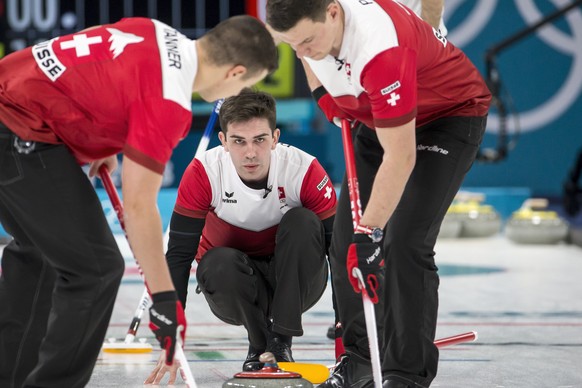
[283, 15]
[242, 40]
[249, 104]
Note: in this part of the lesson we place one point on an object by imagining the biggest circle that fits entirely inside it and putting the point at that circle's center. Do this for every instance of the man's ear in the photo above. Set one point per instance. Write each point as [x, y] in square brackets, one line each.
[276, 135]
[222, 139]
[333, 10]
[237, 71]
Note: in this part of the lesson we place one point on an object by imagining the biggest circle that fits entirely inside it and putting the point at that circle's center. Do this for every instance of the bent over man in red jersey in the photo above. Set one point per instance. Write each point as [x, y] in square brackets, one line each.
[83, 98]
[423, 108]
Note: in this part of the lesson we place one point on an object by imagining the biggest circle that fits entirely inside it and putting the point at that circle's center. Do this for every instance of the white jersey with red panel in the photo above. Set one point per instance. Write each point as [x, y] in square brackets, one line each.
[243, 218]
[393, 67]
[119, 87]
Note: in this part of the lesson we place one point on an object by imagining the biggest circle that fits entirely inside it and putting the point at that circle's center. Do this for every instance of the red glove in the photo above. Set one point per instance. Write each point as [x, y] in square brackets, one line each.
[333, 113]
[167, 321]
[367, 256]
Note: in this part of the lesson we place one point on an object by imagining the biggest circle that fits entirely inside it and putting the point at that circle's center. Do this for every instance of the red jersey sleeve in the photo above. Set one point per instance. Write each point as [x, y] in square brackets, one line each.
[155, 128]
[390, 82]
[194, 193]
[317, 191]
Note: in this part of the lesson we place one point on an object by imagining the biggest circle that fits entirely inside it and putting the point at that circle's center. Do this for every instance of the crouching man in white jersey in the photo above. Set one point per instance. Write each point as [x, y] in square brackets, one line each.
[257, 216]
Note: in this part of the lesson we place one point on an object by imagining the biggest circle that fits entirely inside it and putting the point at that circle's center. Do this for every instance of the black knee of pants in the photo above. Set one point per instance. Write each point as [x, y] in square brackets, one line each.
[236, 291]
[298, 270]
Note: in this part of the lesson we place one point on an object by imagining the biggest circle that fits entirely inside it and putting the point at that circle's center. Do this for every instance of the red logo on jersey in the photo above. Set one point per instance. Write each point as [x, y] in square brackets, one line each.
[282, 198]
[348, 68]
[281, 191]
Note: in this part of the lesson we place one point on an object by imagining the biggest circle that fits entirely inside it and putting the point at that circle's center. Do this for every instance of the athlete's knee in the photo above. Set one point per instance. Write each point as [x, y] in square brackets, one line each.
[109, 272]
[117, 269]
[223, 268]
[300, 217]
[298, 223]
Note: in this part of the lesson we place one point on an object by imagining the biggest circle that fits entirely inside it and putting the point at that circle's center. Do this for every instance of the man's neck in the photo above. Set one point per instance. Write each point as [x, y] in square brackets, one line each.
[256, 185]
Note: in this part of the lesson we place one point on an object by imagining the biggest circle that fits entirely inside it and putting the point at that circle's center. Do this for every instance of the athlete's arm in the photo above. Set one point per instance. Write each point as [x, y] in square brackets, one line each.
[318, 195]
[432, 11]
[185, 235]
[140, 187]
[328, 228]
[188, 219]
[312, 79]
[332, 112]
[399, 144]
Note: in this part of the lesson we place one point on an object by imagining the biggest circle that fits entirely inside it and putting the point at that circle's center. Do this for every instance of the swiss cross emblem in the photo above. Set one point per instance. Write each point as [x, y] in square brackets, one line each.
[393, 98]
[327, 192]
[81, 44]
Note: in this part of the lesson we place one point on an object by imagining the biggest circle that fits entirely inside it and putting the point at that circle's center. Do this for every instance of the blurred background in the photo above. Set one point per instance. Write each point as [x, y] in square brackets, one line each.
[533, 143]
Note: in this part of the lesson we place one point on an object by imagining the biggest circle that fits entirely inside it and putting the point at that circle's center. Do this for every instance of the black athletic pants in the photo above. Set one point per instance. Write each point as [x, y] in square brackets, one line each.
[60, 274]
[407, 312]
[252, 291]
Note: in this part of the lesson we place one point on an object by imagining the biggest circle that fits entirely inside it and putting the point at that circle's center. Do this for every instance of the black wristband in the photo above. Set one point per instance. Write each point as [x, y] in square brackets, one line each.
[361, 238]
[318, 92]
[165, 296]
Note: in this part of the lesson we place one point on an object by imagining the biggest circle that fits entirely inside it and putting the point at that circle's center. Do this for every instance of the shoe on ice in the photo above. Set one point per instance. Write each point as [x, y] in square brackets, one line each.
[252, 362]
[350, 373]
[280, 346]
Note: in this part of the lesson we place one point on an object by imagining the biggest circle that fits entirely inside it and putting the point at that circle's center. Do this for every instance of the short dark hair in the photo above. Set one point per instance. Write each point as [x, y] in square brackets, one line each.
[283, 15]
[247, 105]
[242, 40]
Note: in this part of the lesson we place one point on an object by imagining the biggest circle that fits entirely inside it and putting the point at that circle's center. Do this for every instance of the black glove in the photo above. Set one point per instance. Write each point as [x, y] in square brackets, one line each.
[167, 321]
[367, 256]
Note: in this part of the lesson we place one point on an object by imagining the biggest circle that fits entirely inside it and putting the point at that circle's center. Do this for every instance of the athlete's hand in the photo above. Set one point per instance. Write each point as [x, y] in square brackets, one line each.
[161, 369]
[367, 256]
[110, 162]
[333, 113]
[167, 321]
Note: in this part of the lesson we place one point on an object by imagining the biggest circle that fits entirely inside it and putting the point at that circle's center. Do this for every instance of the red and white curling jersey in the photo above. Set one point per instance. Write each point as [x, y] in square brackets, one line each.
[243, 218]
[118, 87]
[393, 67]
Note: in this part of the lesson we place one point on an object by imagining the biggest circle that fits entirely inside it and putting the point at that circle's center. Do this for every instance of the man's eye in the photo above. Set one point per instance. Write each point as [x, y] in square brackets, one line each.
[238, 141]
[260, 140]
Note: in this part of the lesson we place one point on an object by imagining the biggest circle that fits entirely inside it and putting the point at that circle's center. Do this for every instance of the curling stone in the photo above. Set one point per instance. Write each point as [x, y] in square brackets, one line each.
[532, 224]
[483, 221]
[271, 376]
[477, 220]
[451, 225]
